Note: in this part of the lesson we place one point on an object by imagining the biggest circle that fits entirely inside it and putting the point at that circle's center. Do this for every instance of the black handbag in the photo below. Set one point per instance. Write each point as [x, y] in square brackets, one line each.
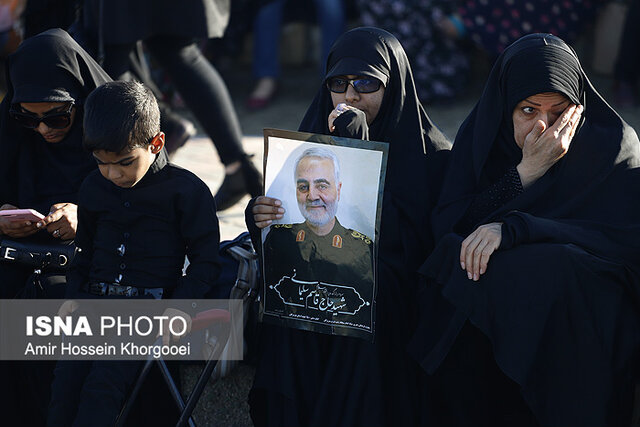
[39, 256]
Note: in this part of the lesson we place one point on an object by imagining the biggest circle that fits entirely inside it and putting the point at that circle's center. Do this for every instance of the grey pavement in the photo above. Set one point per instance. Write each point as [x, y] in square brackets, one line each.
[224, 403]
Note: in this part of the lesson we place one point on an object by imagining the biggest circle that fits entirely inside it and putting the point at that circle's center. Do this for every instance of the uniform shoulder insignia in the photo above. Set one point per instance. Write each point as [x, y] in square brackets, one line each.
[363, 237]
[282, 225]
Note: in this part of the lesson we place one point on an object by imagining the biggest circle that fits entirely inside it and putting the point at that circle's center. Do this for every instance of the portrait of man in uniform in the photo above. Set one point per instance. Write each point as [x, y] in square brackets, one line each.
[318, 270]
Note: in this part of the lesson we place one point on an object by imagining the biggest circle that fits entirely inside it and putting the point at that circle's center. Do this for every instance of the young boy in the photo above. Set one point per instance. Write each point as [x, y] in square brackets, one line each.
[138, 216]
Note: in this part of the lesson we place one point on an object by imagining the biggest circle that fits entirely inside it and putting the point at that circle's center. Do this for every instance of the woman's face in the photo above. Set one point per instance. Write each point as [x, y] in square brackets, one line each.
[41, 109]
[369, 103]
[542, 106]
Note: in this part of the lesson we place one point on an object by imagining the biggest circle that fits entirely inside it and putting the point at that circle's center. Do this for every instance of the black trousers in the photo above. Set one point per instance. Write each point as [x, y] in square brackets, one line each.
[200, 85]
[90, 393]
[26, 386]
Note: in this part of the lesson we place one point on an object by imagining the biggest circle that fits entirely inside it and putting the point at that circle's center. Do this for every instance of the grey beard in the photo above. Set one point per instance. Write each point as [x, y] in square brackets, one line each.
[331, 210]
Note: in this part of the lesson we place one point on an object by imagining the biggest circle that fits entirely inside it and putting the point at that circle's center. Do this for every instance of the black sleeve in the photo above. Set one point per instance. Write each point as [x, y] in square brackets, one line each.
[615, 242]
[199, 229]
[352, 124]
[254, 231]
[492, 198]
[78, 273]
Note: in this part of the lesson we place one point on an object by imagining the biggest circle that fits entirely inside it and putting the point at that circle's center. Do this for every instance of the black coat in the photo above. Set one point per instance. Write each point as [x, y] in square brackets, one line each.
[127, 21]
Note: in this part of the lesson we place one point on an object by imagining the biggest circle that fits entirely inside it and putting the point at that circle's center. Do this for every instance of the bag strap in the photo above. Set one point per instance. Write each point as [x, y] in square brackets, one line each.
[247, 280]
[38, 256]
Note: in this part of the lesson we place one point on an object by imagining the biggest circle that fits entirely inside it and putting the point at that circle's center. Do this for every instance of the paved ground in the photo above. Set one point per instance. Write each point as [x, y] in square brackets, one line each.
[224, 404]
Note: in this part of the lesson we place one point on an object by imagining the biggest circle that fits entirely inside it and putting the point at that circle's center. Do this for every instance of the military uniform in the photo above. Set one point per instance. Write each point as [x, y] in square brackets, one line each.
[326, 280]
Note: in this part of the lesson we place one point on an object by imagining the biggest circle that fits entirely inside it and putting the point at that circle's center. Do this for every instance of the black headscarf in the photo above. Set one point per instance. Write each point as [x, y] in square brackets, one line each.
[485, 147]
[560, 300]
[49, 67]
[416, 146]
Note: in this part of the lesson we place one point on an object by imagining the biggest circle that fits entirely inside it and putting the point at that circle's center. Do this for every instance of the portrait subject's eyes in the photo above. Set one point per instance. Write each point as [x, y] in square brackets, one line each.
[323, 186]
[528, 110]
[303, 187]
[129, 163]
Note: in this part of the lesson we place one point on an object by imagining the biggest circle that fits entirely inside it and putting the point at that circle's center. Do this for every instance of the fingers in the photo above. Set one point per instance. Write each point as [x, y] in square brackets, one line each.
[569, 129]
[67, 308]
[477, 248]
[266, 201]
[466, 252]
[167, 334]
[56, 213]
[61, 229]
[332, 118]
[266, 210]
[333, 115]
[575, 120]
[563, 120]
[22, 233]
[63, 233]
[7, 207]
[485, 255]
[60, 222]
[17, 229]
[538, 129]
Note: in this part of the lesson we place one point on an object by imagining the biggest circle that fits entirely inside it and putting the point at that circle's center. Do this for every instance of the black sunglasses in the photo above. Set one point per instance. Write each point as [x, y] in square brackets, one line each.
[360, 85]
[57, 120]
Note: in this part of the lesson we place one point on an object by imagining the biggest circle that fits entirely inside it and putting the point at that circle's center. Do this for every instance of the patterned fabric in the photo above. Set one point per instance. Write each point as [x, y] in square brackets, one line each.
[439, 66]
[504, 190]
[495, 24]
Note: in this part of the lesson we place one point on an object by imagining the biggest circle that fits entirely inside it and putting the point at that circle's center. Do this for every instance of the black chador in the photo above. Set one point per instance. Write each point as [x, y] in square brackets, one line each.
[310, 379]
[559, 302]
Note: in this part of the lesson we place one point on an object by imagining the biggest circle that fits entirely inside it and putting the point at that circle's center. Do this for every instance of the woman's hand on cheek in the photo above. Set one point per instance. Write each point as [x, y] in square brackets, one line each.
[478, 247]
[62, 221]
[543, 147]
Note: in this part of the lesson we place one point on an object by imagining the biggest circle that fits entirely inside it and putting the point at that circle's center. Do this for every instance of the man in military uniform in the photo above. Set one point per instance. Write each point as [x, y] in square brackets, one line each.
[319, 270]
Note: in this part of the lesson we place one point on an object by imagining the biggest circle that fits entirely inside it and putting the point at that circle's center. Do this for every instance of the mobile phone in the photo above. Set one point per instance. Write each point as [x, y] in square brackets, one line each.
[22, 215]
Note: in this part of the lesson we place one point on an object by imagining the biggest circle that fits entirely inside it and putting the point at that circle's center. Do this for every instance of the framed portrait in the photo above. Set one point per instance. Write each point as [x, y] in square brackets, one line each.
[320, 259]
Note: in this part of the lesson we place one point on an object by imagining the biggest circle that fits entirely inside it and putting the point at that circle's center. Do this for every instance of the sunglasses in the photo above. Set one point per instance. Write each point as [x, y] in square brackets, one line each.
[57, 120]
[361, 85]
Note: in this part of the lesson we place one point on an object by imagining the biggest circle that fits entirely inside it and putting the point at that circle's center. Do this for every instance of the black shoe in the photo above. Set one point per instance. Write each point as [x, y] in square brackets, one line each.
[247, 179]
[252, 177]
[178, 130]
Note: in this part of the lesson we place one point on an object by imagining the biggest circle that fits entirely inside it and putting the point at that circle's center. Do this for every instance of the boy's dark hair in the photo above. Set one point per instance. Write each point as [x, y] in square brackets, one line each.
[119, 116]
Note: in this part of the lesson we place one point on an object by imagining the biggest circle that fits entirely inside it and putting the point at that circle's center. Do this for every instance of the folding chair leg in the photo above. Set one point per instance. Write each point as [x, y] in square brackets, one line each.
[197, 390]
[134, 393]
[173, 388]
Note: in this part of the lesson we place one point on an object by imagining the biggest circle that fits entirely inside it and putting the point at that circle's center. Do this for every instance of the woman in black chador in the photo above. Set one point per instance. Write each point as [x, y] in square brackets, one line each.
[305, 378]
[42, 164]
[539, 257]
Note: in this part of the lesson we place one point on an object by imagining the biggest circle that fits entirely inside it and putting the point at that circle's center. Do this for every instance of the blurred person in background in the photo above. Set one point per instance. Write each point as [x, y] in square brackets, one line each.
[266, 42]
[627, 68]
[439, 62]
[170, 30]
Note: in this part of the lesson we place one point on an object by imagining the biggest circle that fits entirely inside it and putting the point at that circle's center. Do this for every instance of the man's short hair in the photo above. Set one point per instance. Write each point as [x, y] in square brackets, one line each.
[120, 115]
[323, 153]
